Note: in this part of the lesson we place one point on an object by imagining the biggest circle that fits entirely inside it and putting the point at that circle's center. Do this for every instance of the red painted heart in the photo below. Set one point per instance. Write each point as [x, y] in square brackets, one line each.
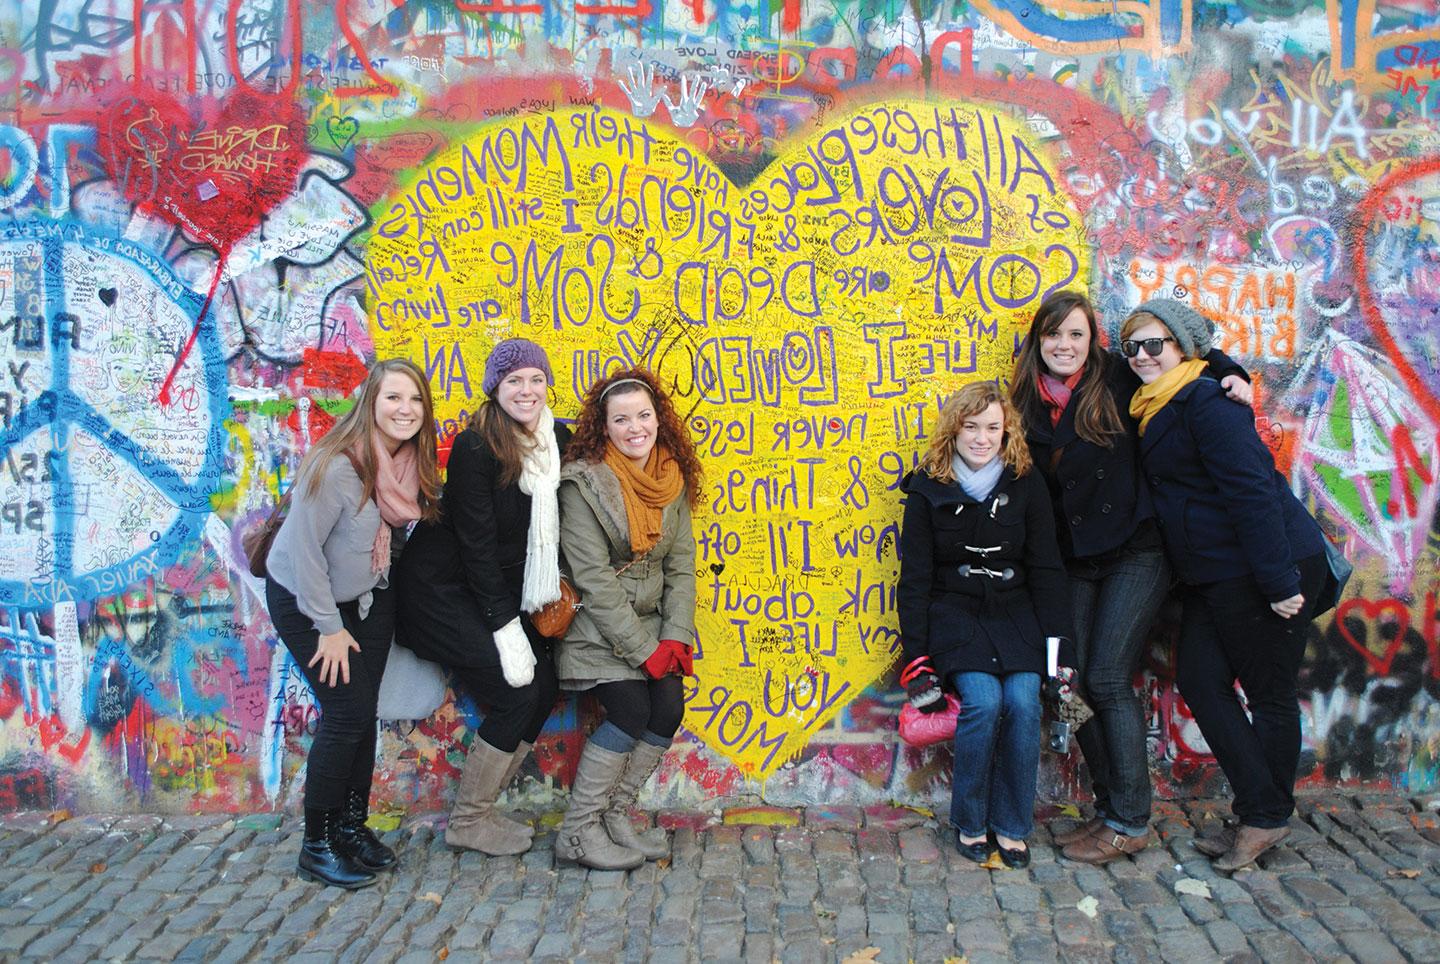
[1371, 610]
[214, 170]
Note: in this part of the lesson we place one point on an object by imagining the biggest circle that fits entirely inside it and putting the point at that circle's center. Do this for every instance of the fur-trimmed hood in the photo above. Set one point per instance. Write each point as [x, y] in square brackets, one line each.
[601, 488]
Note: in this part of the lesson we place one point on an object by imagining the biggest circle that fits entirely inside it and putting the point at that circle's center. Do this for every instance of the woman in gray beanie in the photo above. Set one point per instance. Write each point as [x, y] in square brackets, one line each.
[1251, 562]
[468, 582]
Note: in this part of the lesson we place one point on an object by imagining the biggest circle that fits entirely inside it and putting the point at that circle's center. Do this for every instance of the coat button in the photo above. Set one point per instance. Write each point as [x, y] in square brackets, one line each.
[1099, 473]
[1105, 509]
[1074, 520]
[1070, 484]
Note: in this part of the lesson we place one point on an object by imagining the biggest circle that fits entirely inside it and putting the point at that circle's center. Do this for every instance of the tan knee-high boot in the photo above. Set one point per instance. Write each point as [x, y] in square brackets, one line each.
[521, 752]
[474, 824]
[643, 761]
[582, 837]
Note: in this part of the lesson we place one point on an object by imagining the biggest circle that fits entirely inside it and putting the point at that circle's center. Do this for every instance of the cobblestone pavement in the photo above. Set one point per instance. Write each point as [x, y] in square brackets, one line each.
[1359, 879]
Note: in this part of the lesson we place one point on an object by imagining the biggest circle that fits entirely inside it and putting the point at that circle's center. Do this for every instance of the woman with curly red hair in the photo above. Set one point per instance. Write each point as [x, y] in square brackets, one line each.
[629, 483]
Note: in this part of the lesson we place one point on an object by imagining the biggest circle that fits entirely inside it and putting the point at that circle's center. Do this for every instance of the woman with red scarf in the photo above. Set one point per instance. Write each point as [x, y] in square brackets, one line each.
[1075, 396]
[328, 588]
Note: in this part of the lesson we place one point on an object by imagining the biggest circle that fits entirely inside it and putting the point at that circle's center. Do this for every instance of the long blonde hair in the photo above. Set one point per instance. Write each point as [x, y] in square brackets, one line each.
[972, 400]
[356, 428]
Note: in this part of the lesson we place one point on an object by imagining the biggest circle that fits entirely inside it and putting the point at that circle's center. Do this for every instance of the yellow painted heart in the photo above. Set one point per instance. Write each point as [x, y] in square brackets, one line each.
[811, 324]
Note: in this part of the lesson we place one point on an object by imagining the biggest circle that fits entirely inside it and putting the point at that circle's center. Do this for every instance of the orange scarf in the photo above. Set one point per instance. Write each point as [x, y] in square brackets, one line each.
[646, 493]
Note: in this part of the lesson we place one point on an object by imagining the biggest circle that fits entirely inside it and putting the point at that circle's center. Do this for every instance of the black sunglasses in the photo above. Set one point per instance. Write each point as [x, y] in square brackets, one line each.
[1153, 346]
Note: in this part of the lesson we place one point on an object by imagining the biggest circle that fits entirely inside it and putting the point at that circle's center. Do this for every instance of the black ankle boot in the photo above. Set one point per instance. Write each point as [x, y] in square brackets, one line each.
[323, 858]
[358, 840]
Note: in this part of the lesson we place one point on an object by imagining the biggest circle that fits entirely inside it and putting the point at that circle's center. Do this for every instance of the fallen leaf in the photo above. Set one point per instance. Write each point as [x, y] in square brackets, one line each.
[1193, 887]
[98, 868]
[957, 960]
[865, 956]
[1088, 906]
[1070, 810]
[432, 897]
[1408, 873]
[444, 953]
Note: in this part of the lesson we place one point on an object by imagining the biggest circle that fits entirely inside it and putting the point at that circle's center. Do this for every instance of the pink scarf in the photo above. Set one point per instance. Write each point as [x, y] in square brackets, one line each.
[1056, 394]
[397, 495]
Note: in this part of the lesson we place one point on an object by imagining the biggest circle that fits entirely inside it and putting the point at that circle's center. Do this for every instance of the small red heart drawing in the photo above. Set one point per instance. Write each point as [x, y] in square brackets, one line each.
[1371, 610]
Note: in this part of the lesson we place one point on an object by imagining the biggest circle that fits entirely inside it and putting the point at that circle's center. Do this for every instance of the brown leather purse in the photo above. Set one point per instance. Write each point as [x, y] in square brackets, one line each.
[256, 542]
[554, 618]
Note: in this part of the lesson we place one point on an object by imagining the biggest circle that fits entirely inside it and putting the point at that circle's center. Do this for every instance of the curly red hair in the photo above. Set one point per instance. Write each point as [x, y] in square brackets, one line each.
[588, 442]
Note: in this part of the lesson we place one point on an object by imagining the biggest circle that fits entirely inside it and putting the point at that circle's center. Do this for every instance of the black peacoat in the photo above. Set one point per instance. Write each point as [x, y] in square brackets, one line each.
[1098, 491]
[462, 575]
[962, 618]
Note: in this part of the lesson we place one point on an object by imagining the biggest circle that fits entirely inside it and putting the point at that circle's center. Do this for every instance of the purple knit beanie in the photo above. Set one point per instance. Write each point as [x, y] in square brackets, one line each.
[512, 354]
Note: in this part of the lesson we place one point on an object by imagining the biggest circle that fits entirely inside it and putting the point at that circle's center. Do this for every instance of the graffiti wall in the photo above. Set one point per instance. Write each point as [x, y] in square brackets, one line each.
[813, 221]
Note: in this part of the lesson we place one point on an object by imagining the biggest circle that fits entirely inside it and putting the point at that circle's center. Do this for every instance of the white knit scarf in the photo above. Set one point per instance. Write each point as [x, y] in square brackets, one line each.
[539, 478]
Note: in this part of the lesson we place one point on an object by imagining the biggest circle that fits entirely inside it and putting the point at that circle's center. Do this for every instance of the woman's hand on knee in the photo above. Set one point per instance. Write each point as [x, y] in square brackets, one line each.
[333, 655]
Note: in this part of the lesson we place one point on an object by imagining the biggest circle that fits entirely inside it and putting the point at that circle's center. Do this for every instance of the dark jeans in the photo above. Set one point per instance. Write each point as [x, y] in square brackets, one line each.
[637, 705]
[1230, 633]
[512, 713]
[1115, 606]
[997, 754]
[342, 755]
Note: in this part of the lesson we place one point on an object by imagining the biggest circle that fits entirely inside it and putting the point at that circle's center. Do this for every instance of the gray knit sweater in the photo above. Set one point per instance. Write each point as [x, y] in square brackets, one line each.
[322, 551]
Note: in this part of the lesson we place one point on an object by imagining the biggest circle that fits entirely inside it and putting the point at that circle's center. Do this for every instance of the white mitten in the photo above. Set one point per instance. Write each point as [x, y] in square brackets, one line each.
[517, 660]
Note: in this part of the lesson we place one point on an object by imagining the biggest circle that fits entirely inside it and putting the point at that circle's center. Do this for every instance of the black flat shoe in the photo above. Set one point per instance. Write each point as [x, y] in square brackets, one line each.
[1014, 859]
[979, 851]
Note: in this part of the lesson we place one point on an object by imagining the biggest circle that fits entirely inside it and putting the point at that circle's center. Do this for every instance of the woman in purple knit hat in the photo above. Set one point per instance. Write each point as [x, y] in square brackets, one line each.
[468, 583]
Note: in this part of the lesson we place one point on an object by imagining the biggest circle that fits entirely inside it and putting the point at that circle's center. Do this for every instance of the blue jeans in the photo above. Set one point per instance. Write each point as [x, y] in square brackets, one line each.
[1115, 606]
[997, 754]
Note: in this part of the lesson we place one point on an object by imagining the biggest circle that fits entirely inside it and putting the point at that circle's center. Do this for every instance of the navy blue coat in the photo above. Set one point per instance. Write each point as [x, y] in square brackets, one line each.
[975, 623]
[1224, 511]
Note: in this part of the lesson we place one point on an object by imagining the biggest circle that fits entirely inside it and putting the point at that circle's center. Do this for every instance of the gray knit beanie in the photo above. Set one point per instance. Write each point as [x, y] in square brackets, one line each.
[1194, 333]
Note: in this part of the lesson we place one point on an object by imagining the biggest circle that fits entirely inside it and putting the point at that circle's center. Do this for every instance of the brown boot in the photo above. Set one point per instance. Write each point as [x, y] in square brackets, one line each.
[474, 824]
[643, 761]
[1213, 845]
[582, 837]
[1105, 846]
[1250, 843]
[1088, 828]
[521, 752]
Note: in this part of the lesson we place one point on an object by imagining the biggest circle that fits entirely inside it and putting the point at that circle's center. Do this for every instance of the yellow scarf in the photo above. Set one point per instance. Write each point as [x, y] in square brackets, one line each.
[646, 492]
[1149, 399]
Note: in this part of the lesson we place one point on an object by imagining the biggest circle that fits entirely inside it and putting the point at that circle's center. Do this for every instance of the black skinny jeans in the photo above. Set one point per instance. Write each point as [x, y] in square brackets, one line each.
[342, 755]
[512, 713]
[1230, 633]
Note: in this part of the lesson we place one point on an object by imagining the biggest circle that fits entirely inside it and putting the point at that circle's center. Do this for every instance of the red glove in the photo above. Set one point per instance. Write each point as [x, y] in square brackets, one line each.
[683, 663]
[666, 659]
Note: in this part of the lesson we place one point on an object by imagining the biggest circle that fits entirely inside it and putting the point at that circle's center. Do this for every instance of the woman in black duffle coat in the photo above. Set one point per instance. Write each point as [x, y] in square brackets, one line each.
[467, 584]
[981, 588]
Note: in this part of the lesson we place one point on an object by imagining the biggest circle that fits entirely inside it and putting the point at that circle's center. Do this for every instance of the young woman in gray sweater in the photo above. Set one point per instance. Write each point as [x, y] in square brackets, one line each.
[357, 492]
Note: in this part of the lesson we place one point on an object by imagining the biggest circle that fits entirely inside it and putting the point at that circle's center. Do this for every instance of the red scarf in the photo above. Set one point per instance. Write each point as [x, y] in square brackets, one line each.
[1056, 394]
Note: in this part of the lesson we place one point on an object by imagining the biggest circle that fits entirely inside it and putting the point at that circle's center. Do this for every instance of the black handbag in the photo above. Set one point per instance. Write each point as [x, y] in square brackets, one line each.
[1335, 580]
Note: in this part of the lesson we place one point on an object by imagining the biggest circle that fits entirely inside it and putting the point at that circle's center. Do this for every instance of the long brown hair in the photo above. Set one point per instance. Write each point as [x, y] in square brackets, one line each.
[1096, 418]
[503, 434]
[356, 428]
[589, 440]
[972, 400]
